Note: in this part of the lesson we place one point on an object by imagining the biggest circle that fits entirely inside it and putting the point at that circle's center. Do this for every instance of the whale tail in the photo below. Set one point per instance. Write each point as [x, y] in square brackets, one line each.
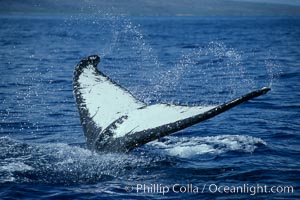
[114, 120]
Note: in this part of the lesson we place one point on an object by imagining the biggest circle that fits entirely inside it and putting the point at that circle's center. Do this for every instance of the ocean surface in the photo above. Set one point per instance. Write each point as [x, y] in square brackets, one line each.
[184, 60]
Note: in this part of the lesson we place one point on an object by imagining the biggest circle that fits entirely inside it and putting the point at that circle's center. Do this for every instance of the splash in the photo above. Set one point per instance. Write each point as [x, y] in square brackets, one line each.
[59, 163]
[210, 74]
[214, 72]
[274, 70]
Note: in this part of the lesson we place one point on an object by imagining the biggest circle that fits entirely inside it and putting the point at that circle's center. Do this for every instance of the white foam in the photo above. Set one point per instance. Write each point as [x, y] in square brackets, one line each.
[15, 167]
[192, 146]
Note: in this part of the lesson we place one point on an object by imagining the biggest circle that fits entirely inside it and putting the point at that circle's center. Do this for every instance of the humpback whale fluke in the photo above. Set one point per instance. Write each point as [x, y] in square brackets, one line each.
[114, 120]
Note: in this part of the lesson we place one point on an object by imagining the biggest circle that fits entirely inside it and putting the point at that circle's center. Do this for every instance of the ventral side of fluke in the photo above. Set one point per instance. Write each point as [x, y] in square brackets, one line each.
[113, 120]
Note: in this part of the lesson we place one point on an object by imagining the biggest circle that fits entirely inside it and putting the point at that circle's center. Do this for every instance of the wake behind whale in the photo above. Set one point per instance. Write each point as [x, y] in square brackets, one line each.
[113, 120]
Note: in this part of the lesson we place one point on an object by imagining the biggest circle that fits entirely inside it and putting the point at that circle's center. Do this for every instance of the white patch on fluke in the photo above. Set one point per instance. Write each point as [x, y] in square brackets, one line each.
[104, 101]
[155, 116]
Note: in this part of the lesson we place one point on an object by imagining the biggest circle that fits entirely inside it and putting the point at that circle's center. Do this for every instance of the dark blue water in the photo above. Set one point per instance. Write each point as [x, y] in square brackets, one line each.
[193, 61]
